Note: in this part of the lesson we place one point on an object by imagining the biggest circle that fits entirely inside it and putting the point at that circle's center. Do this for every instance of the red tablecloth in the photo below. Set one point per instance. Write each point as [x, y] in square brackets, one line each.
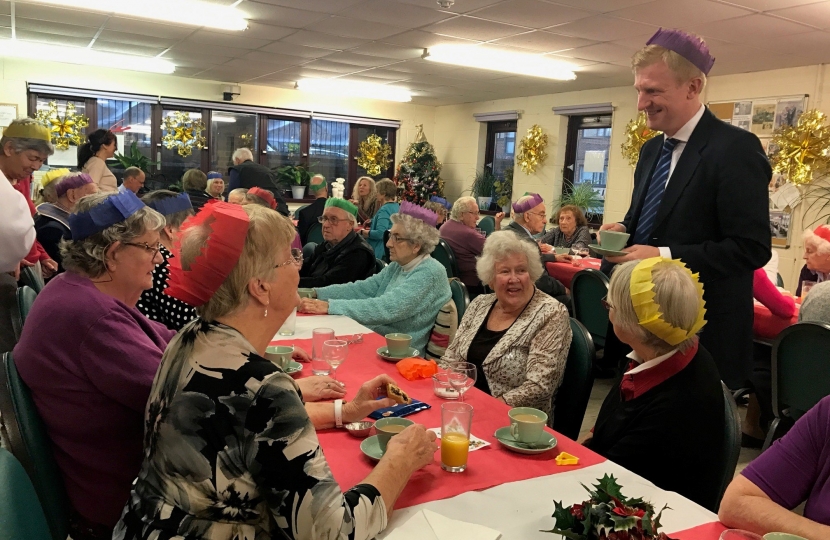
[768, 326]
[565, 271]
[709, 531]
[488, 467]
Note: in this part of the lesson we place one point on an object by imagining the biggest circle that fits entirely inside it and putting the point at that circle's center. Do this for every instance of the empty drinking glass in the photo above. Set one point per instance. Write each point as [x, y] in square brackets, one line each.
[462, 376]
[334, 353]
[319, 336]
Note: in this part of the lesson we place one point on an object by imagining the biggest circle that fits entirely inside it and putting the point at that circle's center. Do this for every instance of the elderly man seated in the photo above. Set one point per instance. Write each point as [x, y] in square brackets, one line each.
[344, 256]
[133, 180]
[529, 219]
[467, 244]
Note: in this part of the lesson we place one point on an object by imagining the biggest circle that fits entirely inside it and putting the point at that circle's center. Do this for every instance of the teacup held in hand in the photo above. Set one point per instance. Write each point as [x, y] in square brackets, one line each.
[613, 240]
[386, 428]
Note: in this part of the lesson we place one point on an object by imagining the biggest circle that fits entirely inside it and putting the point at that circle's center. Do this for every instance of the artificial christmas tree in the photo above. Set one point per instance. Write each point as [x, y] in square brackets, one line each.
[419, 172]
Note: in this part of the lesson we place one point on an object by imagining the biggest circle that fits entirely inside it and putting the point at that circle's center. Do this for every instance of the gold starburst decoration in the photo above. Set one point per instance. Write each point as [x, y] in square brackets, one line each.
[66, 130]
[247, 140]
[637, 133]
[183, 133]
[532, 149]
[373, 155]
[803, 150]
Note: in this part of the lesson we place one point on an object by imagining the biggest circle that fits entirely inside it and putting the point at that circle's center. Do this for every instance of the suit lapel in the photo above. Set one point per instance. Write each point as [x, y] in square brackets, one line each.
[686, 166]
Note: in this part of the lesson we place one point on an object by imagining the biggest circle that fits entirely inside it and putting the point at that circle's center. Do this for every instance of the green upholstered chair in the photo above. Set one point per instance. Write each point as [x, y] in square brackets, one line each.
[444, 254]
[11, 324]
[315, 233]
[21, 516]
[386, 235]
[30, 444]
[297, 211]
[571, 399]
[460, 297]
[31, 278]
[728, 456]
[308, 249]
[588, 288]
[25, 298]
[799, 374]
[779, 281]
[487, 224]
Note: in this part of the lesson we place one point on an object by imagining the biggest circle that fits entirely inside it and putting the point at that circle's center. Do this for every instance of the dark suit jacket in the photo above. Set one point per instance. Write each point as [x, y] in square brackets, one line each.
[714, 217]
[308, 217]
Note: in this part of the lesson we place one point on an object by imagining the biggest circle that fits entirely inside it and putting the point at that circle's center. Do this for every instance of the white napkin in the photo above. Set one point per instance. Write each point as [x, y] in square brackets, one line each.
[427, 525]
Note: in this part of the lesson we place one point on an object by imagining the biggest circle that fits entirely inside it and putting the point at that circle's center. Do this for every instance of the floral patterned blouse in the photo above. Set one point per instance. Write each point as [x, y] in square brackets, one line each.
[230, 453]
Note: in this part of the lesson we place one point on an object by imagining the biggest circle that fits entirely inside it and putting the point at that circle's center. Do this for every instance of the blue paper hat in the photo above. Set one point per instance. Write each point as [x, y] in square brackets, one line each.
[440, 200]
[171, 205]
[213, 174]
[115, 209]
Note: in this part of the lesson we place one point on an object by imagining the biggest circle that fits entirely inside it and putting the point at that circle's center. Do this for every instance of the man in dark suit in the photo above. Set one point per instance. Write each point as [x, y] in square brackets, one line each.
[308, 215]
[700, 195]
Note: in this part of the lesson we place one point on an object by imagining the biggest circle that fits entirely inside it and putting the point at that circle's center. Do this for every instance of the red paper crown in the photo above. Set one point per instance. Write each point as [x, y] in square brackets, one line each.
[823, 232]
[228, 229]
[265, 195]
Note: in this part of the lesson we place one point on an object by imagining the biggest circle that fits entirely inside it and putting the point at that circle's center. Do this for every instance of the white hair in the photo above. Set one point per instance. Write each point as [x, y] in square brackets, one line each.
[461, 205]
[242, 154]
[674, 292]
[418, 232]
[499, 246]
[811, 239]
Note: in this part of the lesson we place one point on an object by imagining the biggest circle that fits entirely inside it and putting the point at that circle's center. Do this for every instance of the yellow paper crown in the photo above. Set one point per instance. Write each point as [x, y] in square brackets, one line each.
[29, 130]
[648, 310]
[50, 176]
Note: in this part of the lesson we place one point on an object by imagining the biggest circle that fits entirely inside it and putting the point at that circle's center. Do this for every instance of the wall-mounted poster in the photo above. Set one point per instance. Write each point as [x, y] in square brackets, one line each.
[787, 112]
[8, 112]
[763, 118]
[779, 228]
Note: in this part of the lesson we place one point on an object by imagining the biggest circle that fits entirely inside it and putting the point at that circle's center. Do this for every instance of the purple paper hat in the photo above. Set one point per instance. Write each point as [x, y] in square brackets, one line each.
[690, 47]
[419, 212]
[171, 205]
[521, 208]
[72, 181]
[115, 209]
[440, 200]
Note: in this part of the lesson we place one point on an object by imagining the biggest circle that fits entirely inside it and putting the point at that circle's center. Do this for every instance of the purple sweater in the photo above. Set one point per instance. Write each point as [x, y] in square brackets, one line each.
[90, 361]
[467, 244]
[797, 467]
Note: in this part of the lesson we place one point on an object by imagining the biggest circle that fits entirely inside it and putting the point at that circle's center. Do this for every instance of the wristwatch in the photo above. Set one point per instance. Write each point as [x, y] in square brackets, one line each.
[338, 413]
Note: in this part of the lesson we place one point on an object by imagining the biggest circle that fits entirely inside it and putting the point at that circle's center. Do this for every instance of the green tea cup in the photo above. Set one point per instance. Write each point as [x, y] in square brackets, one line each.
[280, 355]
[615, 241]
[782, 536]
[387, 428]
[527, 423]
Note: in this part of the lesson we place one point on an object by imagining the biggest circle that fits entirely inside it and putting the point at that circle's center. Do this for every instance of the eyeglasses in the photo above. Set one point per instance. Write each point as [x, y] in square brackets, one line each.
[330, 219]
[296, 258]
[146, 247]
[395, 237]
[476, 213]
[540, 214]
[606, 304]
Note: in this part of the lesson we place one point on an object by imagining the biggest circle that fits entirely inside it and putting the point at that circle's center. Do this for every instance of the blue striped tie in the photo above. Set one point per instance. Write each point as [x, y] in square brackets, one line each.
[655, 194]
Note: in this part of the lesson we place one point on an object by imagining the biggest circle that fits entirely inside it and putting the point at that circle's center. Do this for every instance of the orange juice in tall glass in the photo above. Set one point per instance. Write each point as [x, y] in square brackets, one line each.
[456, 419]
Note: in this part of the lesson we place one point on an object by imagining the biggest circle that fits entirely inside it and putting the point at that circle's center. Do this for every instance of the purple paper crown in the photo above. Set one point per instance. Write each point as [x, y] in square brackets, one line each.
[690, 47]
[171, 205]
[115, 209]
[419, 212]
[440, 200]
[72, 181]
[533, 202]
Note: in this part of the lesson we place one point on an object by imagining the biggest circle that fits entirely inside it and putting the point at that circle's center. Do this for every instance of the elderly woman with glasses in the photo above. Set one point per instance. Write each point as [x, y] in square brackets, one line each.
[406, 295]
[669, 397]
[89, 356]
[231, 450]
[518, 337]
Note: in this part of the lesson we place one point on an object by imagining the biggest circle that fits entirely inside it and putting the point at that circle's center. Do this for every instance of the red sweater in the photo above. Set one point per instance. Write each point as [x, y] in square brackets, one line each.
[767, 293]
[37, 253]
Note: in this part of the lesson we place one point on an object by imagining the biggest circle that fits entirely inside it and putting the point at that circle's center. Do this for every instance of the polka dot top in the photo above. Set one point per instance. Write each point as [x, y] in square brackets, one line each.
[159, 307]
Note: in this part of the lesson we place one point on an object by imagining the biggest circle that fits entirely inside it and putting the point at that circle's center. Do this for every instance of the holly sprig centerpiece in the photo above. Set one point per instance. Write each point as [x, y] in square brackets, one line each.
[608, 515]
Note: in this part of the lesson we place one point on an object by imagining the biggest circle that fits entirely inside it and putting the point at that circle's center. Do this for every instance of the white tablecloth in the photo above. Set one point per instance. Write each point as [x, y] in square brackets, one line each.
[519, 510]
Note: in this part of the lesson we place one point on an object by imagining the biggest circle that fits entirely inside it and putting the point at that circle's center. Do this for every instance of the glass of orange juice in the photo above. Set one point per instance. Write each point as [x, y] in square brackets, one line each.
[456, 419]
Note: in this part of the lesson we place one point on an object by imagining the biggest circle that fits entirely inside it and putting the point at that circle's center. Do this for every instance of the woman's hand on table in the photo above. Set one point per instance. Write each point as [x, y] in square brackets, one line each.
[563, 258]
[320, 387]
[300, 355]
[546, 248]
[366, 400]
[313, 306]
[414, 444]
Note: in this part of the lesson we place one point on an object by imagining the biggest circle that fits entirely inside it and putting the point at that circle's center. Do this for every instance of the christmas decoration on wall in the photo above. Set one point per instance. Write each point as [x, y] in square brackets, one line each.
[247, 140]
[802, 151]
[532, 149]
[373, 155]
[183, 133]
[66, 130]
[636, 135]
[419, 173]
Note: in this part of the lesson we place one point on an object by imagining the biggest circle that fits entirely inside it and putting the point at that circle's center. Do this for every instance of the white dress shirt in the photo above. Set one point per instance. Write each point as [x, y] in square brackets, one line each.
[17, 229]
[642, 366]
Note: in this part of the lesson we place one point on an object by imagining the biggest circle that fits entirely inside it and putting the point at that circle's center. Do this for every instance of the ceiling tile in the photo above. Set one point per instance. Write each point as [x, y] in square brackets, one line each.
[332, 67]
[601, 52]
[531, 13]
[579, 62]
[398, 14]
[195, 59]
[812, 14]
[124, 48]
[290, 49]
[680, 13]
[322, 6]
[607, 70]
[385, 50]
[147, 28]
[765, 5]
[361, 77]
[58, 14]
[42, 37]
[354, 28]
[360, 59]
[228, 74]
[273, 59]
[238, 40]
[300, 72]
[601, 6]
[322, 41]
[542, 41]
[472, 28]
[135, 39]
[386, 74]
[752, 29]
[602, 28]
[203, 48]
[279, 15]
[58, 29]
[811, 45]
[461, 6]
[5, 8]
[421, 40]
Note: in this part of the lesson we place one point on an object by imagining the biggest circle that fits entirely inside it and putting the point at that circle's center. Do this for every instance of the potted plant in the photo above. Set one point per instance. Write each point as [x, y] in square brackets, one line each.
[294, 176]
[582, 196]
[504, 190]
[483, 185]
[136, 159]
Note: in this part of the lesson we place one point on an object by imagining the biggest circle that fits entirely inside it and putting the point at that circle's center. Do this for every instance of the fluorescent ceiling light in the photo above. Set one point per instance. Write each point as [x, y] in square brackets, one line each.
[189, 12]
[14, 48]
[476, 56]
[345, 88]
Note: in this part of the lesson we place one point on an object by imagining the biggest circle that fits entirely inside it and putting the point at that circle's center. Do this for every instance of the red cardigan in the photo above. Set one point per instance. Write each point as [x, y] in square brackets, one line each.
[767, 293]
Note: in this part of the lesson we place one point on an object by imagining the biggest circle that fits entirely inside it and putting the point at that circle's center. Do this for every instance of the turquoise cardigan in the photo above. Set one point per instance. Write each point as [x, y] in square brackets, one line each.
[394, 300]
[381, 223]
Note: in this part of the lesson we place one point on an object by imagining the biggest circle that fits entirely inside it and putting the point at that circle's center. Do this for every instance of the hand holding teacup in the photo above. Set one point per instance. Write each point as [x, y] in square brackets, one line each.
[415, 446]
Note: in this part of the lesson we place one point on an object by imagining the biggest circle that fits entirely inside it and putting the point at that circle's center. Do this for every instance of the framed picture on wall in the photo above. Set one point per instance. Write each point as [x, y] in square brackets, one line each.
[779, 228]
[8, 112]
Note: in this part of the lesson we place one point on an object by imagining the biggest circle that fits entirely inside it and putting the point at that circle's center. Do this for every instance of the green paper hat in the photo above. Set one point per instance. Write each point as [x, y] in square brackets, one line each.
[342, 204]
[318, 186]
